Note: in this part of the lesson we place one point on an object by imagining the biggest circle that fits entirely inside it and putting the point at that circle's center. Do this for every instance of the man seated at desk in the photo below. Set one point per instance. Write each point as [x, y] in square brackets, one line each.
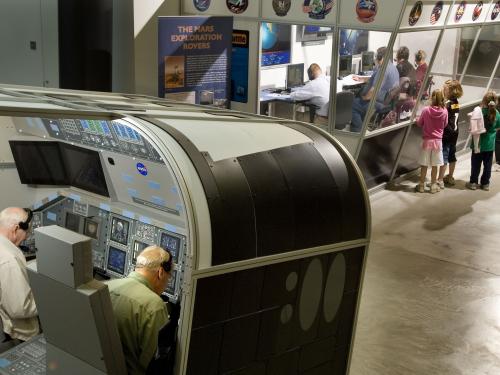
[317, 92]
[390, 80]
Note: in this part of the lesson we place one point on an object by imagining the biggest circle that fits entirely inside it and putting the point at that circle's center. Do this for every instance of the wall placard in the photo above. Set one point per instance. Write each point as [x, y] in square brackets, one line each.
[370, 14]
[194, 59]
[301, 11]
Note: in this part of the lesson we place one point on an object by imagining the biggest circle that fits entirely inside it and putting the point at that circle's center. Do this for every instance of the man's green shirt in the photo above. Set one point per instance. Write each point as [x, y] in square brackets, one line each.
[140, 313]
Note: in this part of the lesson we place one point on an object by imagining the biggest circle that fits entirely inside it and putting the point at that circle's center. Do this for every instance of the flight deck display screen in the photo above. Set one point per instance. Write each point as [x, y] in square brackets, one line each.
[119, 230]
[91, 228]
[72, 222]
[171, 244]
[138, 247]
[116, 260]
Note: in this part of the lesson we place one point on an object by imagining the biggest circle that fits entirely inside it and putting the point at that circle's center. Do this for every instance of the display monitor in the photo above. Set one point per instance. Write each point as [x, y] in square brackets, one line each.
[116, 260]
[367, 59]
[138, 247]
[91, 228]
[294, 75]
[39, 163]
[84, 169]
[170, 243]
[119, 230]
[72, 222]
[345, 65]
[276, 43]
[313, 33]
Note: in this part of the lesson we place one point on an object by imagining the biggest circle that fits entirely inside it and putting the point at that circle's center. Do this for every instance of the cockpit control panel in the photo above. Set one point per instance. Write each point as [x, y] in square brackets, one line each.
[116, 239]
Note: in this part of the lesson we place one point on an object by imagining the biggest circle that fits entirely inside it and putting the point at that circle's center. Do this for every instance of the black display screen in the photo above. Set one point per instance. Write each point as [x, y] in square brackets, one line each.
[116, 260]
[138, 247]
[72, 222]
[171, 244]
[91, 228]
[39, 163]
[119, 230]
[56, 163]
[84, 169]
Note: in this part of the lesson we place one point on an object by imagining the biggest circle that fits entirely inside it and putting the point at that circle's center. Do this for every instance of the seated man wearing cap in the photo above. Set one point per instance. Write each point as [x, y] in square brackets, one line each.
[139, 311]
[18, 311]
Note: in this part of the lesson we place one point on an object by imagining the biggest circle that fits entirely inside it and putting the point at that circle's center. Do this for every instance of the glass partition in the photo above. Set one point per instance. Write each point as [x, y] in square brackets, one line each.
[495, 84]
[360, 55]
[295, 71]
[479, 67]
[411, 54]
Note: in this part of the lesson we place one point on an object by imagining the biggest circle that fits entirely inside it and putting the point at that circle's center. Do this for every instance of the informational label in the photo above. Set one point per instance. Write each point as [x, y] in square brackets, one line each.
[194, 56]
[239, 66]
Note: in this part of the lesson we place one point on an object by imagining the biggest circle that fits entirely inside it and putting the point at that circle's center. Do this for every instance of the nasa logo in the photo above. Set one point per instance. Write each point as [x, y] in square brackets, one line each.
[415, 13]
[141, 168]
[477, 10]
[436, 12]
[495, 11]
[366, 10]
[317, 9]
[237, 6]
[202, 5]
[460, 11]
[281, 7]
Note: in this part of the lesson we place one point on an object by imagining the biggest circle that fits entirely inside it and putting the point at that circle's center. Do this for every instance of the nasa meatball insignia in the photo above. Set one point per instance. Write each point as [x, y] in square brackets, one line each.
[281, 7]
[141, 168]
[317, 9]
[366, 10]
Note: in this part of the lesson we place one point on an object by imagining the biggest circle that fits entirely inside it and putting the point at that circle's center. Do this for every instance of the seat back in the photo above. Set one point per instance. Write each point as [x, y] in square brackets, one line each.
[343, 109]
[75, 312]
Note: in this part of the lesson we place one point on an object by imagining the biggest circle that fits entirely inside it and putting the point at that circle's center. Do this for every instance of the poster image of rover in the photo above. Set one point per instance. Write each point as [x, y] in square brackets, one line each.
[174, 72]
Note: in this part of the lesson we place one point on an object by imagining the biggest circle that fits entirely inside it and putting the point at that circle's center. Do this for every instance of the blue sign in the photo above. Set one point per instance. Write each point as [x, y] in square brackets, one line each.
[194, 59]
[239, 66]
[141, 168]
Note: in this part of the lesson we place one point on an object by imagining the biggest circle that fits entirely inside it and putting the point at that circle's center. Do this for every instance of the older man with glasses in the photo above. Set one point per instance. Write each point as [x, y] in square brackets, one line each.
[18, 311]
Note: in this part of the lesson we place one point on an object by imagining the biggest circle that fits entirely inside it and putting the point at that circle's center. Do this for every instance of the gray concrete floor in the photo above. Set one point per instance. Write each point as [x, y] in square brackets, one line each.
[431, 293]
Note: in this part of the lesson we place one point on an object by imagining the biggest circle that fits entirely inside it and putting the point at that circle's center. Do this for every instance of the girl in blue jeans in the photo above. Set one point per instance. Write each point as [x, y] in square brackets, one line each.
[486, 144]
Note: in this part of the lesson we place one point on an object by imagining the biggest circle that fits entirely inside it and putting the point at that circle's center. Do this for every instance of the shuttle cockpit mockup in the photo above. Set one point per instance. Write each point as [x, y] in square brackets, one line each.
[267, 220]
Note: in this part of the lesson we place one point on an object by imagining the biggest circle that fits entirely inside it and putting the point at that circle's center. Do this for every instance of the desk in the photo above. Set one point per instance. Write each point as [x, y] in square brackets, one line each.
[270, 99]
[348, 83]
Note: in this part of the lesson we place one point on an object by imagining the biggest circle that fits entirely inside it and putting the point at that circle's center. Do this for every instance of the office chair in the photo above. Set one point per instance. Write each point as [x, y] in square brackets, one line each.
[343, 109]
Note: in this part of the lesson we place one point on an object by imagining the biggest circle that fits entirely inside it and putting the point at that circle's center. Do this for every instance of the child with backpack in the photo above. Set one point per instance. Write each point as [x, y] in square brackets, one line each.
[432, 120]
[487, 140]
[452, 90]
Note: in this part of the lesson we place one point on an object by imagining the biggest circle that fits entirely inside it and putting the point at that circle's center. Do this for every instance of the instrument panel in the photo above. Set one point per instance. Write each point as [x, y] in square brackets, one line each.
[116, 240]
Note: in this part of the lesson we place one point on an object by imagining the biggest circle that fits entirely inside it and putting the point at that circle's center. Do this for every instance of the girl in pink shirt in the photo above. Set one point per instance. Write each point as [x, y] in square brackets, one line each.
[432, 120]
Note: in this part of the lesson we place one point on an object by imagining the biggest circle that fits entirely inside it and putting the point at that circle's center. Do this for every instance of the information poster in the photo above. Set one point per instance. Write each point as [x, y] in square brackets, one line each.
[239, 66]
[194, 59]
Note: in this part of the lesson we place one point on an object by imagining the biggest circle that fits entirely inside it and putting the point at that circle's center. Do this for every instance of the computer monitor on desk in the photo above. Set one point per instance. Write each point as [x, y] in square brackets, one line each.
[345, 66]
[367, 61]
[294, 75]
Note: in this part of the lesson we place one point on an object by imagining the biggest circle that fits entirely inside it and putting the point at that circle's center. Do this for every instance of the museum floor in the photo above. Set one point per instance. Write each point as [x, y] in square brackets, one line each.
[431, 295]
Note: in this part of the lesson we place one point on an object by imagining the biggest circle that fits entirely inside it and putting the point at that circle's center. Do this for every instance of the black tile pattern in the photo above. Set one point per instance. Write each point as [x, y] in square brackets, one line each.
[252, 324]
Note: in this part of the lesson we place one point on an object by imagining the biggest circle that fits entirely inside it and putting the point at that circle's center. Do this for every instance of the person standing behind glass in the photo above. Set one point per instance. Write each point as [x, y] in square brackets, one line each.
[404, 67]
[390, 80]
[421, 70]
